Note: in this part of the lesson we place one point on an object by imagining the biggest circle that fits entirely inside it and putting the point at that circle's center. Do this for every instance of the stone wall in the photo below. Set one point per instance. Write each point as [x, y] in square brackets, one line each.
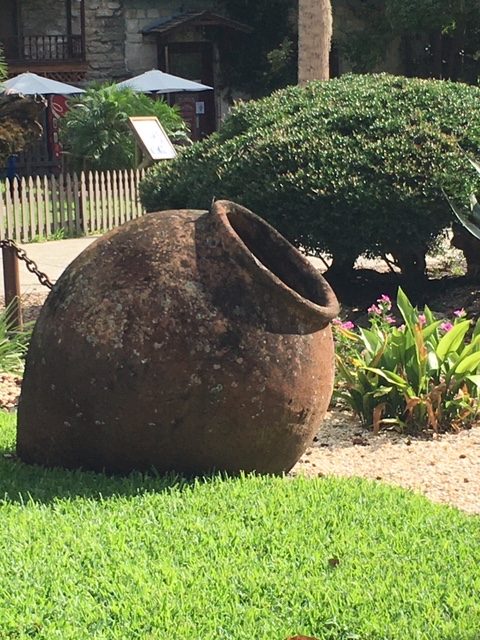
[43, 18]
[105, 39]
[141, 51]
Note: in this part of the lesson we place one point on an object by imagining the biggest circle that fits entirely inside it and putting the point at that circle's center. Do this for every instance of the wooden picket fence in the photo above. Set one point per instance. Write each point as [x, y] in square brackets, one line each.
[68, 205]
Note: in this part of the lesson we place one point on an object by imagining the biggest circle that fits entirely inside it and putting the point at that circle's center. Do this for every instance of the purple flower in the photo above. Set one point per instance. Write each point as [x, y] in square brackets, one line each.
[446, 326]
[348, 325]
[374, 309]
[460, 313]
[422, 319]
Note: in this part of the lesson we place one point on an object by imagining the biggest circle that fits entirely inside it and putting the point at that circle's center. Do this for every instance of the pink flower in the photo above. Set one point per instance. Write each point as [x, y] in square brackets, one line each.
[460, 313]
[446, 326]
[384, 302]
[336, 321]
[374, 309]
[348, 325]
[390, 320]
[422, 319]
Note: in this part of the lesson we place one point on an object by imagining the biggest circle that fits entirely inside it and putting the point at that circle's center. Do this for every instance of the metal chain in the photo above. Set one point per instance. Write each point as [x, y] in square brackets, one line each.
[29, 263]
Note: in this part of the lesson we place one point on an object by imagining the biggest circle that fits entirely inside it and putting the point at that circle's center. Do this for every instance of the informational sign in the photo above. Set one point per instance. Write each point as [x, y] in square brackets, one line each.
[152, 138]
[199, 108]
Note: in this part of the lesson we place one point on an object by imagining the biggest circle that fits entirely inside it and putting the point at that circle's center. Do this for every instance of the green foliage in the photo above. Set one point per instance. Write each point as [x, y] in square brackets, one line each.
[18, 119]
[438, 38]
[85, 555]
[427, 15]
[13, 344]
[3, 66]
[269, 52]
[424, 373]
[348, 166]
[96, 134]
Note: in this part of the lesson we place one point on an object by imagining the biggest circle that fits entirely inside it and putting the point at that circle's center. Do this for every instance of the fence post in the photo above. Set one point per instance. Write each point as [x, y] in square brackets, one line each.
[11, 283]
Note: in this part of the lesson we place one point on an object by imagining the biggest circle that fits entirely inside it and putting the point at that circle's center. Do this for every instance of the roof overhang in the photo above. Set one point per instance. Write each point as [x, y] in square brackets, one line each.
[164, 26]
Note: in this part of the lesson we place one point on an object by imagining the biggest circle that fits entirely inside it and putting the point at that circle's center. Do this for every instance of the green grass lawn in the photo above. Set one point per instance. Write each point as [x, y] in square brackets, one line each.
[87, 556]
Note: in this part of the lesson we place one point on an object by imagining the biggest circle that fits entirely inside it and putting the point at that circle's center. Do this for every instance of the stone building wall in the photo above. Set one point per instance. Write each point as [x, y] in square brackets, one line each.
[43, 18]
[105, 39]
[141, 51]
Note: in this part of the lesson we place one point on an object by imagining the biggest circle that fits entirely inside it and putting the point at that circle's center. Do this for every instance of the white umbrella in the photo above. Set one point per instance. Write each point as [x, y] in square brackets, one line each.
[29, 84]
[156, 81]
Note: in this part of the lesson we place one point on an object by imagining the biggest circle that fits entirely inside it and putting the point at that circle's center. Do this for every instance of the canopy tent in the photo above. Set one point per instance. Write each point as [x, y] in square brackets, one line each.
[156, 81]
[29, 84]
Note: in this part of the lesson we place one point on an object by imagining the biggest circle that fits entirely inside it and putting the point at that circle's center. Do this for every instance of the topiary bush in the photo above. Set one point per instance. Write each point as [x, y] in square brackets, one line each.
[349, 166]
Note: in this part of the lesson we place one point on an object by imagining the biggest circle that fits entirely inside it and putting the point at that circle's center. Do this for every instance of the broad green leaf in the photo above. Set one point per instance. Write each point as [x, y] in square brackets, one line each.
[452, 340]
[389, 376]
[468, 364]
[430, 328]
[476, 329]
[471, 348]
[382, 391]
[475, 379]
[433, 363]
[406, 309]
[429, 316]
[344, 370]
[371, 340]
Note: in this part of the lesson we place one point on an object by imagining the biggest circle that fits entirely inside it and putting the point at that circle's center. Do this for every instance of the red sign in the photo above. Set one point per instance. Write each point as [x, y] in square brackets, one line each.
[57, 108]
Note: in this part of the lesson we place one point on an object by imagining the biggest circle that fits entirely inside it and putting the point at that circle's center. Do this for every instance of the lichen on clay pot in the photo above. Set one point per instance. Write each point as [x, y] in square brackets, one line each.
[186, 341]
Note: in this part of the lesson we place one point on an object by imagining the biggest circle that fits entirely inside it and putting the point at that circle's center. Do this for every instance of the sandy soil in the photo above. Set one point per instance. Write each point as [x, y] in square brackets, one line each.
[446, 468]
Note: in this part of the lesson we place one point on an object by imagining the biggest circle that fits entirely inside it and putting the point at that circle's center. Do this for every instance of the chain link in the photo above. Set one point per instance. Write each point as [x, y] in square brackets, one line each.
[29, 263]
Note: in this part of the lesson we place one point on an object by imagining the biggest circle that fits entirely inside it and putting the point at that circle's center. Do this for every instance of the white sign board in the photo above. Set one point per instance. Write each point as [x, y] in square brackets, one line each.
[152, 137]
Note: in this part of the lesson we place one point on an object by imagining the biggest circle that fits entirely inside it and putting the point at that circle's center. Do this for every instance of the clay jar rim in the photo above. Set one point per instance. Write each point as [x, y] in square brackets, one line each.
[224, 210]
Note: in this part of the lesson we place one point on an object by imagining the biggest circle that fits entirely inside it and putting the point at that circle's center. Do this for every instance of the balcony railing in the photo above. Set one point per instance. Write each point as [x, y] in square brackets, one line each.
[43, 49]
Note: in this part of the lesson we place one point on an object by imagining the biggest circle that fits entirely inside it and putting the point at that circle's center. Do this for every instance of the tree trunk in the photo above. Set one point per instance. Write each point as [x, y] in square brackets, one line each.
[314, 39]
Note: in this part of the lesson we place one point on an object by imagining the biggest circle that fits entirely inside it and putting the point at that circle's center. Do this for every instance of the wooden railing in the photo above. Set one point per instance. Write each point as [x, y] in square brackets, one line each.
[41, 49]
[68, 205]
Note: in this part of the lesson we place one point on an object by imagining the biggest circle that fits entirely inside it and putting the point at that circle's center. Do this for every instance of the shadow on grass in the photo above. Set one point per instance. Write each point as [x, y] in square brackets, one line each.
[21, 483]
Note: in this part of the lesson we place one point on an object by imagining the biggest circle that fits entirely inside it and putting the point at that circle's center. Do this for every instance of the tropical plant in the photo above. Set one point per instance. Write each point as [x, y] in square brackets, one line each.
[469, 218]
[315, 27]
[95, 131]
[348, 166]
[13, 343]
[421, 374]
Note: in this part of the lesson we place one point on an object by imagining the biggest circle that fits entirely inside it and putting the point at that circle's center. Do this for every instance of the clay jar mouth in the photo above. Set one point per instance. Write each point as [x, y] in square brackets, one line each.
[273, 258]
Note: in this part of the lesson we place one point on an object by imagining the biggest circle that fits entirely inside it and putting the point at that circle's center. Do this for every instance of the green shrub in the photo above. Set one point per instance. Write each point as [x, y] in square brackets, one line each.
[423, 373]
[96, 134]
[350, 166]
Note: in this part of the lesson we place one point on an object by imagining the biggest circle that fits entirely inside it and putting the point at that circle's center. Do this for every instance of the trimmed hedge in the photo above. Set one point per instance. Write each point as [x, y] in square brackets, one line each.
[349, 166]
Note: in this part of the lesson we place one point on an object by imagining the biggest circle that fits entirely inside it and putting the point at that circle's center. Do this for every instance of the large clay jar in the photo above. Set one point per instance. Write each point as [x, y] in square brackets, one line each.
[184, 340]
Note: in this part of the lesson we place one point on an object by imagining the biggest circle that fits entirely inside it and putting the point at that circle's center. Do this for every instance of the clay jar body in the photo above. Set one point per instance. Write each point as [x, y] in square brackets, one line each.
[183, 340]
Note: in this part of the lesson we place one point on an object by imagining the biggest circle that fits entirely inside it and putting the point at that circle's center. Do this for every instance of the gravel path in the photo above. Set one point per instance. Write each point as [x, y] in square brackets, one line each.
[446, 468]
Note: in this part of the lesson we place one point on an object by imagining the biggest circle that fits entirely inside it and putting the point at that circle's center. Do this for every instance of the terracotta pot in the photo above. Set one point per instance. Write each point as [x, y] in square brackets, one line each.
[183, 340]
